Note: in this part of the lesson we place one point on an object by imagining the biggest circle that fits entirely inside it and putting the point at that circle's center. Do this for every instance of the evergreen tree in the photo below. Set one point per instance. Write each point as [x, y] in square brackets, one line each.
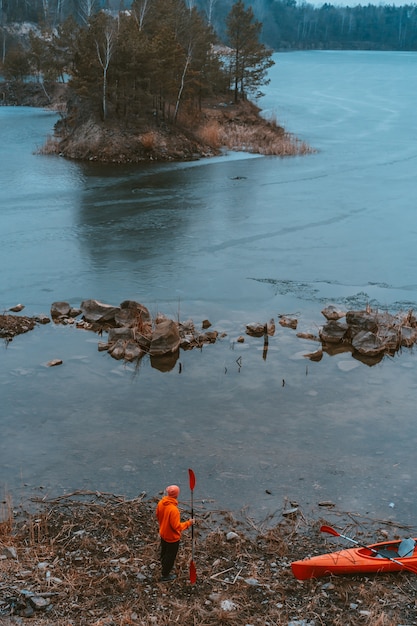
[249, 59]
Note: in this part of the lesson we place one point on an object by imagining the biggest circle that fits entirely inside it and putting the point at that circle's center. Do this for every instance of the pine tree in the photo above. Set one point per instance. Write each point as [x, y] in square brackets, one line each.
[249, 60]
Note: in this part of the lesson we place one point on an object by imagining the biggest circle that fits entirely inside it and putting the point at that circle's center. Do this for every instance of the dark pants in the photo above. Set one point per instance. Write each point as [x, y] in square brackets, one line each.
[168, 555]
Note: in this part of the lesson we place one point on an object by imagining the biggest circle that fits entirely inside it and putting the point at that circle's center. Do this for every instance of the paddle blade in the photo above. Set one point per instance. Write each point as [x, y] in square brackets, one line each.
[193, 573]
[330, 530]
[192, 479]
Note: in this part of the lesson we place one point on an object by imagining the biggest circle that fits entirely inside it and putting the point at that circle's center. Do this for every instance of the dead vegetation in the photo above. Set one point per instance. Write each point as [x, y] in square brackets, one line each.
[240, 127]
[13, 325]
[92, 559]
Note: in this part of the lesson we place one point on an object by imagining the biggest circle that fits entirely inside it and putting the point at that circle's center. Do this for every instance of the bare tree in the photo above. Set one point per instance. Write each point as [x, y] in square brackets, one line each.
[140, 8]
[183, 75]
[86, 8]
[209, 10]
[104, 54]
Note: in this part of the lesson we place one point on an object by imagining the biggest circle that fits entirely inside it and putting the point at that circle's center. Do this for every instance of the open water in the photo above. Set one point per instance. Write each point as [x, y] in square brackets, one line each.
[235, 239]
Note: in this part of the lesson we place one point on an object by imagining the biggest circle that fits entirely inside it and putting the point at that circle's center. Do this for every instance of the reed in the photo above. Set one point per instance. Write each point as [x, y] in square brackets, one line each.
[210, 133]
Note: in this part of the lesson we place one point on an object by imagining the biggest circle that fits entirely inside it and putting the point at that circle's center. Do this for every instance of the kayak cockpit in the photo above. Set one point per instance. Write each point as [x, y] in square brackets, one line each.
[394, 550]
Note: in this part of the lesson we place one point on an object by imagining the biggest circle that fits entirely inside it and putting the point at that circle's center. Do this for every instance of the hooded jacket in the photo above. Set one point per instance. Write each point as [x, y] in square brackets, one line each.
[168, 516]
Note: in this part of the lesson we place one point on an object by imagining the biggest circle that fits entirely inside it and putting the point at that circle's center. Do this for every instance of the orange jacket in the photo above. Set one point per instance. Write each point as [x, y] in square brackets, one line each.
[168, 516]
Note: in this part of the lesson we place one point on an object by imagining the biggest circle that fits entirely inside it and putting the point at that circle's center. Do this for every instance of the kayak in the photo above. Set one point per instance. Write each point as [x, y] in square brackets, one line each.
[376, 558]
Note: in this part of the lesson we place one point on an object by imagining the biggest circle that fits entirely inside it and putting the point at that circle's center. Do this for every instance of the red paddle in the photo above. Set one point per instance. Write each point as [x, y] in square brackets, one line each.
[332, 531]
[193, 572]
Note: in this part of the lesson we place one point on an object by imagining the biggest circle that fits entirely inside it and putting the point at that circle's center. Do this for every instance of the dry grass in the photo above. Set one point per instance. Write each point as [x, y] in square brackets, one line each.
[101, 553]
[51, 146]
[148, 140]
[211, 134]
[241, 127]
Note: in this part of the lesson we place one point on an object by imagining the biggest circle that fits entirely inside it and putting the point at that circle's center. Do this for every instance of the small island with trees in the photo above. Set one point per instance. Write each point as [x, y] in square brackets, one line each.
[150, 83]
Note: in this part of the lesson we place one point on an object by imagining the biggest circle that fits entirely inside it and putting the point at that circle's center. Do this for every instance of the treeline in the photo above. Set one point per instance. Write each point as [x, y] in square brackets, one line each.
[369, 27]
[287, 24]
[292, 25]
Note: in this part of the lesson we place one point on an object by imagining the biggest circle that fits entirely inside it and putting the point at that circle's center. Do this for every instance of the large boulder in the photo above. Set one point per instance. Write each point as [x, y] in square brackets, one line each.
[165, 338]
[133, 314]
[362, 320]
[60, 309]
[99, 312]
[368, 343]
[120, 333]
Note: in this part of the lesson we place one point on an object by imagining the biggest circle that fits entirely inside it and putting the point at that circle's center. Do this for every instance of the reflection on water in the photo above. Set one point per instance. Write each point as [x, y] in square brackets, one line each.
[235, 240]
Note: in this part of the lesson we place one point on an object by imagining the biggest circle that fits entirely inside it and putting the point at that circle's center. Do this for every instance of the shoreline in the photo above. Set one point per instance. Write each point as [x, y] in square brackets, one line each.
[93, 558]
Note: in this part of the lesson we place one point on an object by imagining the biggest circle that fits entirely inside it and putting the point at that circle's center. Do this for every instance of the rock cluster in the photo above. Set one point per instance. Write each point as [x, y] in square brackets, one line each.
[131, 331]
[368, 334]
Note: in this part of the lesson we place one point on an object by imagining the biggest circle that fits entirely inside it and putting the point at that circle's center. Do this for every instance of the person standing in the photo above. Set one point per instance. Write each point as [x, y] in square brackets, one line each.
[170, 529]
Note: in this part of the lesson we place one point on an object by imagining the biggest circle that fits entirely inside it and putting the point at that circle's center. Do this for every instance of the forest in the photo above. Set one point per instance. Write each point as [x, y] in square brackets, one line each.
[287, 24]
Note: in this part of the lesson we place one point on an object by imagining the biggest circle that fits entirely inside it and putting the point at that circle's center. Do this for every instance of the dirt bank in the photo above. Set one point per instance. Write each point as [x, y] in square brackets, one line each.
[92, 559]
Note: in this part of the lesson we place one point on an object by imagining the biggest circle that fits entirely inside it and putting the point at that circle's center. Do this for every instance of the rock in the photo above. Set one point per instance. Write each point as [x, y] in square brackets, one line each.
[333, 332]
[288, 323]
[209, 337]
[331, 313]
[115, 334]
[231, 536]
[42, 319]
[165, 338]
[368, 343]
[205, 324]
[132, 351]
[255, 330]
[362, 320]
[38, 602]
[9, 552]
[240, 339]
[186, 328]
[17, 308]
[117, 350]
[95, 311]
[133, 314]
[54, 362]
[228, 605]
[60, 309]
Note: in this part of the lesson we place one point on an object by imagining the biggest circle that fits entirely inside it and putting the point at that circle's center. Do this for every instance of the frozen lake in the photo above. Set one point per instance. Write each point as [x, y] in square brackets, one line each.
[235, 239]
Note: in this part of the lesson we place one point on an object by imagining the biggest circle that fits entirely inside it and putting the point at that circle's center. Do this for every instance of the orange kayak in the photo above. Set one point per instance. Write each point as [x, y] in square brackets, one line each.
[375, 558]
